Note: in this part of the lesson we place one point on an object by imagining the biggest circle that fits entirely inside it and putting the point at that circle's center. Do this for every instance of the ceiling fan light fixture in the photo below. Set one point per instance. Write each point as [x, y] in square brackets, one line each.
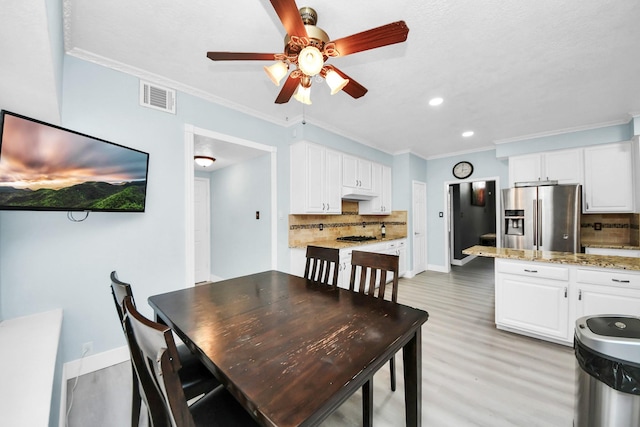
[204, 161]
[310, 61]
[303, 94]
[335, 81]
[276, 72]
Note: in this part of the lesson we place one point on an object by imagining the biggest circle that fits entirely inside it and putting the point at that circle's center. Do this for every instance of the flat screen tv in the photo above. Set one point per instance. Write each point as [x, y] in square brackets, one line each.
[48, 168]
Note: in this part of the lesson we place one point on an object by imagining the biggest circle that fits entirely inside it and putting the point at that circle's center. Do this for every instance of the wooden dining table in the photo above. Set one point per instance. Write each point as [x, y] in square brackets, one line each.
[290, 351]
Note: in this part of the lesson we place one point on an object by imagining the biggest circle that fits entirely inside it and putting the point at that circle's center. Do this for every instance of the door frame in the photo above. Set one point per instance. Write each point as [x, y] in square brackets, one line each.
[447, 214]
[189, 139]
[413, 220]
[207, 245]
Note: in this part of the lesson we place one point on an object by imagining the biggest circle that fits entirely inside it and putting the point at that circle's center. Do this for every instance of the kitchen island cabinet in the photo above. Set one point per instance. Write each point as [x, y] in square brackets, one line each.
[541, 294]
[600, 291]
[532, 299]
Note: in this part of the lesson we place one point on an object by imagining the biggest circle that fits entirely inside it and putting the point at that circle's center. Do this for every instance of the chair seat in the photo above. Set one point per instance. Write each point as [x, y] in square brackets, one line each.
[219, 408]
[196, 379]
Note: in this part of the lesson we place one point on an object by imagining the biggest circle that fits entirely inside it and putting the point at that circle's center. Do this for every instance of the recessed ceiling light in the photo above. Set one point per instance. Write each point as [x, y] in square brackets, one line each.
[467, 134]
[435, 101]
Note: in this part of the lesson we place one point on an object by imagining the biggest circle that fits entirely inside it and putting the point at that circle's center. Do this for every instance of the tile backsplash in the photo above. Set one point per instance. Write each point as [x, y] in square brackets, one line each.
[623, 229]
[306, 228]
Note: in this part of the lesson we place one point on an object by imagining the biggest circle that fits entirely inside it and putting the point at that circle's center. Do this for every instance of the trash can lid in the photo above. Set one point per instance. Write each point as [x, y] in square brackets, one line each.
[611, 335]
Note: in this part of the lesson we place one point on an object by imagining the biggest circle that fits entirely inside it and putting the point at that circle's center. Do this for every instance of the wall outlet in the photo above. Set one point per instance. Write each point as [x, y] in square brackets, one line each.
[87, 348]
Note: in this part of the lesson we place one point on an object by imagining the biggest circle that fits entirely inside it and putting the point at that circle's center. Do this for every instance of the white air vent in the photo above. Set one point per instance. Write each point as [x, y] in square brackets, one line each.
[157, 97]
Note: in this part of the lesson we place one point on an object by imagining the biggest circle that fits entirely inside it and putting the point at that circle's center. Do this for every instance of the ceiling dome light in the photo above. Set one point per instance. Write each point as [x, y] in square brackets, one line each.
[303, 94]
[467, 134]
[310, 61]
[204, 161]
[335, 81]
[276, 72]
[436, 101]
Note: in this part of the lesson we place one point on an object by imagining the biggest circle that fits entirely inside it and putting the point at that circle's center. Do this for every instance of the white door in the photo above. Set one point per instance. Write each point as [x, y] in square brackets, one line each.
[202, 237]
[419, 227]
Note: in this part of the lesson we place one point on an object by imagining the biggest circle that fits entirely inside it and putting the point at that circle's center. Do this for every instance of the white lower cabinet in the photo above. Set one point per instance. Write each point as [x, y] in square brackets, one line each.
[532, 298]
[601, 291]
[544, 300]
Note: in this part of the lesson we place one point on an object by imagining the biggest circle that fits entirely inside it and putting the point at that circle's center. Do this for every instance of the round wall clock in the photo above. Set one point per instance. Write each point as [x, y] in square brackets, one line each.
[462, 170]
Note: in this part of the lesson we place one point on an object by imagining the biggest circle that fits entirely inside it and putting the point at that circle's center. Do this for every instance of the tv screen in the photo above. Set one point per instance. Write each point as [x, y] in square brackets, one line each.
[46, 167]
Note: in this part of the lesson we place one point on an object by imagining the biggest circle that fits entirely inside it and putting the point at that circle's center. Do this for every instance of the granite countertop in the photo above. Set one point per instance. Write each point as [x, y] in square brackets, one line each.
[337, 244]
[602, 261]
[610, 246]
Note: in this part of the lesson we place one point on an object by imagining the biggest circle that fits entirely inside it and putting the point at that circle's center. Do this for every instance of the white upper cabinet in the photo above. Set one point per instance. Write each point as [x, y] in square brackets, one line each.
[608, 184]
[564, 166]
[524, 168]
[316, 179]
[381, 186]
[356, 172]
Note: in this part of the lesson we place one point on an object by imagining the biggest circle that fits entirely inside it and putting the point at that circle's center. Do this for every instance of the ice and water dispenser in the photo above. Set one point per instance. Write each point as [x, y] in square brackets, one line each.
[514, 222]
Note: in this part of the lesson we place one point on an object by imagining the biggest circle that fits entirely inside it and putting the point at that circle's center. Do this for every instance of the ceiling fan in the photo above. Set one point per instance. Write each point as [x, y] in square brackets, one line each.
[307, 48]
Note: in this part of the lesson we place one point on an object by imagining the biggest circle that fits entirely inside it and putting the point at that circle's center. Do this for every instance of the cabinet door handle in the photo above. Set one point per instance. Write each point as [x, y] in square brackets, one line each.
[328, 206]
[620, 281]
[323, 207]
[530, 271]
[580, 295]
[565, 291]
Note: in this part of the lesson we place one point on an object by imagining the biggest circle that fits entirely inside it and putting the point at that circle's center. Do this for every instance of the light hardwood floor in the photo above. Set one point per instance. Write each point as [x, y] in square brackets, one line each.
[473, 374]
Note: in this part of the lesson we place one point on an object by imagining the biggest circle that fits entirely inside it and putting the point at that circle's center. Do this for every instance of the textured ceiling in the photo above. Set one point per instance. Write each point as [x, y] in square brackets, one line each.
[506, 69]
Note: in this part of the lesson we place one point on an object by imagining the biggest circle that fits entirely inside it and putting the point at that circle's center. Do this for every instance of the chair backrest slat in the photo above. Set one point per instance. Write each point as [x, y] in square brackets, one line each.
[373, 270]
[322, 265]
[154, 356]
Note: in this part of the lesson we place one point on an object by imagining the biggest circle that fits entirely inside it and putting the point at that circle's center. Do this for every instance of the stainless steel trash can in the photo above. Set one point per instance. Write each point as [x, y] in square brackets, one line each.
[607, 350]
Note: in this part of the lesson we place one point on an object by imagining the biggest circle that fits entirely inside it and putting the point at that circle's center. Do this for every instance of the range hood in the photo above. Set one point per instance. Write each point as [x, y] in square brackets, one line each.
[357, 194]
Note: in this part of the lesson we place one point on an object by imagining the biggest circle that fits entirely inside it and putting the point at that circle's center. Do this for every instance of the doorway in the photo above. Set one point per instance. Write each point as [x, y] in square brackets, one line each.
[472, 217]
[232, 147]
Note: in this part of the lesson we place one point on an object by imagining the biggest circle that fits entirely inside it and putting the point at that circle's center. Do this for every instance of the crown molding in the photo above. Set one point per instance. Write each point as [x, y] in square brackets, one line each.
[562, 131]
[461, 153]
[154, 78]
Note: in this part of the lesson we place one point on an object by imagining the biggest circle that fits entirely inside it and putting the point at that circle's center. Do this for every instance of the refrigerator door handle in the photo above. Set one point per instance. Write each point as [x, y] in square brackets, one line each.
[539, 223]
[535, 224]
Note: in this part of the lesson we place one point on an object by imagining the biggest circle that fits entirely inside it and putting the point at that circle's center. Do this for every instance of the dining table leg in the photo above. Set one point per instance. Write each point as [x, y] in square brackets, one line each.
[412, 362]
[367, 403]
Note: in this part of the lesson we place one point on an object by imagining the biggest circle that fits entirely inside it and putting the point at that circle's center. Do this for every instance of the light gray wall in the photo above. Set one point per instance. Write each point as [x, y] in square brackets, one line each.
[49, 262]
[439, 171]
[241, 244]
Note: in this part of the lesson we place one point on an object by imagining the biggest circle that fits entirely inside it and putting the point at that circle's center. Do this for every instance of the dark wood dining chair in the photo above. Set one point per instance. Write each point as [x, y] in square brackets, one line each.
[370, 273]
[155, 359]
[195, 378]
[322, 265]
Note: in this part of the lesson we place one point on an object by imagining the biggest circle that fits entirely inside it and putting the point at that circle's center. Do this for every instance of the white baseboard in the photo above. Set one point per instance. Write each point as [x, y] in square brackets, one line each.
[215, 278]
[438, 268]
[463, 261]
[86, 365]
[409, 274]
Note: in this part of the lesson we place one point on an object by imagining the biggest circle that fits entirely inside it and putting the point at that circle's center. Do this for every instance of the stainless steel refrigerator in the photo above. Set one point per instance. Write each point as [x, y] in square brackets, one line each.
[542, 217]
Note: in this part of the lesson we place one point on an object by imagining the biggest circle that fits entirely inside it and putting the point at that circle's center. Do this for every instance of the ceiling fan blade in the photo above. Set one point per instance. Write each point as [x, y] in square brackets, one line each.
[396, 32]
[290, 17]
[353, 88]
[240, 56]
[287, 90]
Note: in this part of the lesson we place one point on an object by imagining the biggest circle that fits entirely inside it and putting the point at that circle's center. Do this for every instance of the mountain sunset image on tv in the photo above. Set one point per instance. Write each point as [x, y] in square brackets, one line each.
[46, 167]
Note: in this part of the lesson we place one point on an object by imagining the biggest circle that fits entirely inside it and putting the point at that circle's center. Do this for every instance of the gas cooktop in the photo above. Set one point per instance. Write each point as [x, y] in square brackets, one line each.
[356, 238]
